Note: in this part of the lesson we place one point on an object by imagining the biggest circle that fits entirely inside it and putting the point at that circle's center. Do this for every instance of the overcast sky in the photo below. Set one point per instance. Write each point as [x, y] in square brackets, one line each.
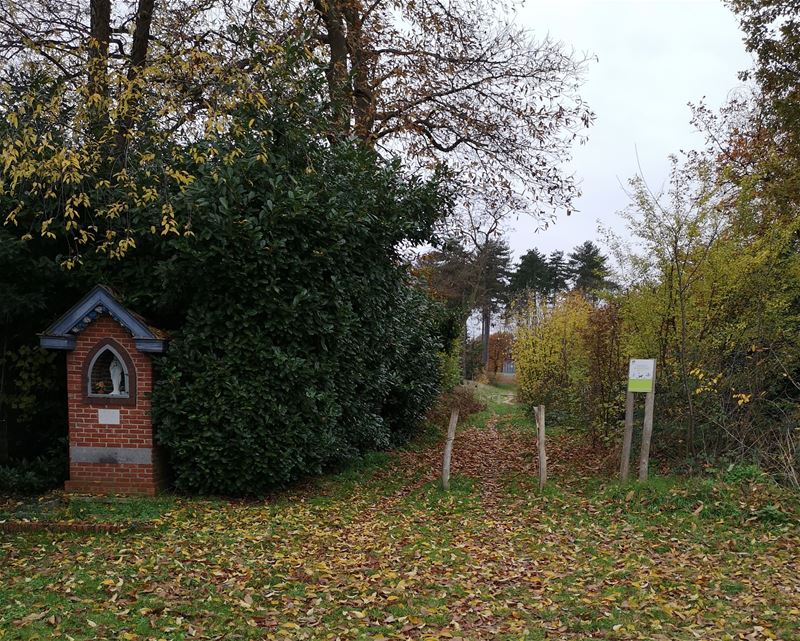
[654, 57]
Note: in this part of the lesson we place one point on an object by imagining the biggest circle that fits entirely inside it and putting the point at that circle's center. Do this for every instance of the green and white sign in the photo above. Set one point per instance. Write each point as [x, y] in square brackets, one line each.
[641, 374]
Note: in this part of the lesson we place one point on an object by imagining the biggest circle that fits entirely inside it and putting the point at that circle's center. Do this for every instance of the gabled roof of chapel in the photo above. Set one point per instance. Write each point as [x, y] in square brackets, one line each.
[102, 300]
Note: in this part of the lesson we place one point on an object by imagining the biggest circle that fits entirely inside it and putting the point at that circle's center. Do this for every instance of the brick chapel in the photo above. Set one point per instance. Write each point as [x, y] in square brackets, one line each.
[109, 382]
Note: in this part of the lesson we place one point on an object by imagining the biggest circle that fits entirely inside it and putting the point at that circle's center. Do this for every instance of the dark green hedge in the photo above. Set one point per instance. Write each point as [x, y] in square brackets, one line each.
[33, 397]
[299, 340]
[304, 342]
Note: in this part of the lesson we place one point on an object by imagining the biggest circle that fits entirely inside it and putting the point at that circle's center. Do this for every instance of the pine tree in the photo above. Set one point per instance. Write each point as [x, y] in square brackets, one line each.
[531, 275]
[588, 270]
[559, 272]
[494, 264]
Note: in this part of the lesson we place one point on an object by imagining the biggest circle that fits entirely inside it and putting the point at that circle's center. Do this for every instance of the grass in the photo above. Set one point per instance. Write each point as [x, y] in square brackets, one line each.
[500, 405]
[379, 551]
[61, 509]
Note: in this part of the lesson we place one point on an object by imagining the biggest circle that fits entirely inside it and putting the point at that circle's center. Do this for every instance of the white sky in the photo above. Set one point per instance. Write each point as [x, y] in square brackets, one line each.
[654, 57]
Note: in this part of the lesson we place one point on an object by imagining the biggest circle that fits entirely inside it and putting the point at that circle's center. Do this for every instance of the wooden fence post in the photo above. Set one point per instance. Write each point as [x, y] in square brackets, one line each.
[647, 434]
[627, 438]
[448, 448]
[542, 451]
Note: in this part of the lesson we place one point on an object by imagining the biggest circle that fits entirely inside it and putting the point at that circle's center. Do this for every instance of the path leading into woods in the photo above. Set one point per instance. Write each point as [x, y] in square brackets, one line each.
[379, 552]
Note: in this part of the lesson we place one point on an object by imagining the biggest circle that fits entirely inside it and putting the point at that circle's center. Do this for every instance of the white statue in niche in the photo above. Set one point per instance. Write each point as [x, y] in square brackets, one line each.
[115, 369]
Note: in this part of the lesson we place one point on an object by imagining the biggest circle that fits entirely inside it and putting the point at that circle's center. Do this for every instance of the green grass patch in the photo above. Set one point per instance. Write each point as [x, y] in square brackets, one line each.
[705, 498]
[66, 508]
[379, 550]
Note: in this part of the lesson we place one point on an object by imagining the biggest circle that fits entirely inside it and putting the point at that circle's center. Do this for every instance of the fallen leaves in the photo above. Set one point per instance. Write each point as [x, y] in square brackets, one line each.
[30, 618]
[388, 556]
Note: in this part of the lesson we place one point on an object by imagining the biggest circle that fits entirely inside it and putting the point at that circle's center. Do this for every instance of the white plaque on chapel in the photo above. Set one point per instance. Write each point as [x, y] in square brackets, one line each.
[108, 417]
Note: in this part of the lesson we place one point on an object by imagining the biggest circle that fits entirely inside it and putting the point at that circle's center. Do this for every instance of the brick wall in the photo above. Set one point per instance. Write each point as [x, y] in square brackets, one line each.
[132, 437]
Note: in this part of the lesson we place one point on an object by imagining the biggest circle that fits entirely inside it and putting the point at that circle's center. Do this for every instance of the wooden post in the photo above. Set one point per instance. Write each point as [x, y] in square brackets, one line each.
[627, 438]
[542, 451]
[448, 448]
[647, 434]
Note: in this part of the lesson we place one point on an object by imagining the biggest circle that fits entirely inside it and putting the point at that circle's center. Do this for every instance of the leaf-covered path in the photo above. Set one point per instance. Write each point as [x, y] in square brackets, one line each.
[379, 552]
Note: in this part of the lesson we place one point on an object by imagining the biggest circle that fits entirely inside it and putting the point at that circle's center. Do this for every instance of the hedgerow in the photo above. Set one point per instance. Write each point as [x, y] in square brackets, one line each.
[304, 342]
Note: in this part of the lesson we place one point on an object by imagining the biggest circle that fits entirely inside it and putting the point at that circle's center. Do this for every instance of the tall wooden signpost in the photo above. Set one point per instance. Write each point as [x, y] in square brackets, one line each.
[641, 379]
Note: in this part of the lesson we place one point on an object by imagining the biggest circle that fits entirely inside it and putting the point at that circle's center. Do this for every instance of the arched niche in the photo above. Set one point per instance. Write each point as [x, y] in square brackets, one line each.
[109, 375]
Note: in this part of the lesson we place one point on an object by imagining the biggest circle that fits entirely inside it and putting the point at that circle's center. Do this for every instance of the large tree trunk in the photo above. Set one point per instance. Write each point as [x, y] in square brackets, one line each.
[337, 73]
[486, 325]
[138, 59]
[99, 38]
[141, 37]
[361, 61]
[349, 70]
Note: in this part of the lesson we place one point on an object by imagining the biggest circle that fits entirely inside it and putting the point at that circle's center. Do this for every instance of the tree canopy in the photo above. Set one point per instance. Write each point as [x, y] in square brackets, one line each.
[141, 86]
[772, 33]
[584, 269]
[459, 82]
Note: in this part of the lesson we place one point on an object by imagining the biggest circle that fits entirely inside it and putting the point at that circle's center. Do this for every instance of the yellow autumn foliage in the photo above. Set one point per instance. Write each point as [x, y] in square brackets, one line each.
[550, 355]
